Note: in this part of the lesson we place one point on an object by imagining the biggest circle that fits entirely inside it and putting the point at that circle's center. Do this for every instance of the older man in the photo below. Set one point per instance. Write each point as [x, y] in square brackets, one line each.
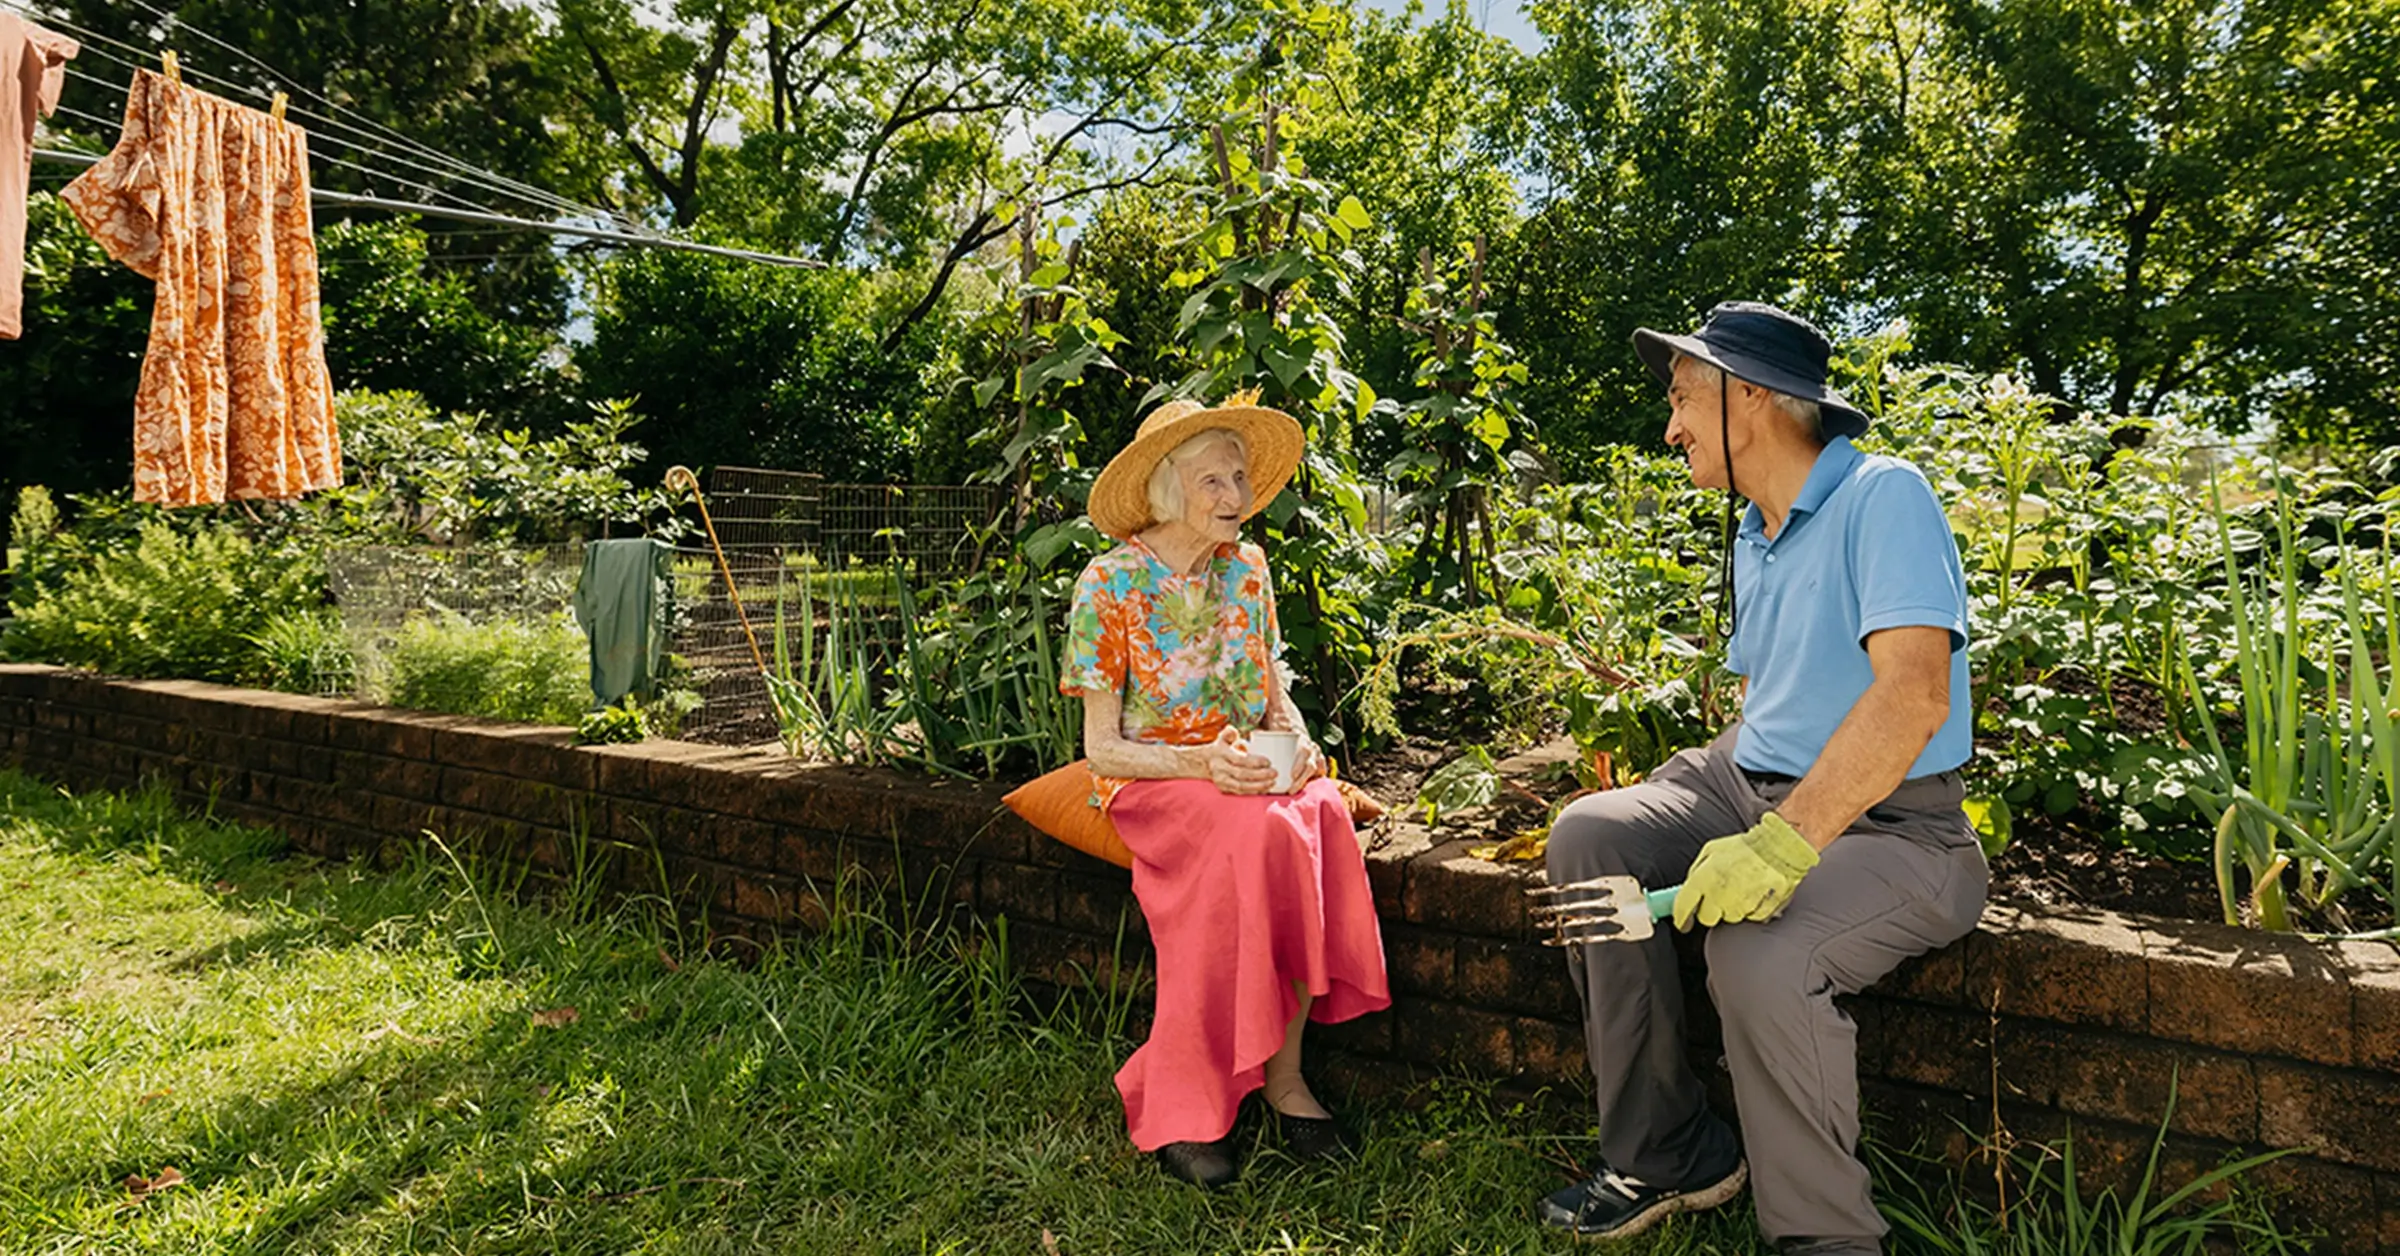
[1820, 840]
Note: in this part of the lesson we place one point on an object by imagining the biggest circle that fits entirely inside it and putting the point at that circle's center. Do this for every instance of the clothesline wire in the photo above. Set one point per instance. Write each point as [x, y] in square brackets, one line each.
[602, 235]
[371, 125]
[140, 58]
[132, 58]
[461, 172]
[84, 115]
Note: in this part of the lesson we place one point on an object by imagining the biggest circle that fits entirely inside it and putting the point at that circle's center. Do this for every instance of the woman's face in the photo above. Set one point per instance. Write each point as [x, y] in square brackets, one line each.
[1216, 491]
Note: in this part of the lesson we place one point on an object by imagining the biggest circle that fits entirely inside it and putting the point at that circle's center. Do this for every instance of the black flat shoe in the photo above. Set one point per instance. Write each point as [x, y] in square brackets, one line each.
[1201, 1164]
[1310, 1137]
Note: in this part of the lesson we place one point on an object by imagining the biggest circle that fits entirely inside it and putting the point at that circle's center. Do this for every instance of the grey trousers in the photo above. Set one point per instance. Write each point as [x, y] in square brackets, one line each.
[1907, 878]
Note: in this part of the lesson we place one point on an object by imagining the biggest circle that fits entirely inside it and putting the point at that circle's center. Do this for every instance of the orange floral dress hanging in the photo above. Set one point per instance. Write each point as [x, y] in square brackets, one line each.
[210, 200]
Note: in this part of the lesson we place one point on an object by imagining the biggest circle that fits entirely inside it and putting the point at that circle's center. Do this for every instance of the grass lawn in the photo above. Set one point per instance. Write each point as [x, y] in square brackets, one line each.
[340, 1060]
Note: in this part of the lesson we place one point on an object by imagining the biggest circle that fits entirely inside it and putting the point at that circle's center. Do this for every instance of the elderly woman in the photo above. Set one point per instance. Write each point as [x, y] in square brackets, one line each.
[1257, 901]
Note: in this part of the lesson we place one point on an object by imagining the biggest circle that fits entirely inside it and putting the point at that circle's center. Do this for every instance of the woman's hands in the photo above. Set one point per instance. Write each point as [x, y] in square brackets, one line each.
[1232, 767]
[1234, 770]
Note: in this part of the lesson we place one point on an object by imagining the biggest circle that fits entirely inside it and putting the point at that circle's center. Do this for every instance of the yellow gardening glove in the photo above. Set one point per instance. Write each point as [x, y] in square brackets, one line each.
[1748, 876]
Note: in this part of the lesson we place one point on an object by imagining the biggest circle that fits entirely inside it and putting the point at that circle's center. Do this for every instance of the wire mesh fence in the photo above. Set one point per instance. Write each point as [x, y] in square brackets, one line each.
[796, 546]
[377, 589]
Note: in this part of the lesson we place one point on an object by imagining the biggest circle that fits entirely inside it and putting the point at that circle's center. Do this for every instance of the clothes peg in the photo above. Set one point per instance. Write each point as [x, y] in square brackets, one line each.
[173, 68]
[275, 110]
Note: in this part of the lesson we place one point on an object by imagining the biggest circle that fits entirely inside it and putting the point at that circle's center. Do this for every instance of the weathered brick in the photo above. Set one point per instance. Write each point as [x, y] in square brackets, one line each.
[1938, 976]
[1100, 904]
[806, 853]
[385, 731]
[2337, 1201]
[1366, 1035]
[2386, 1233]
[1059, 956]
[1939, 1047]
[741, 842]
[1450, 889]
[1020, 892]
[1004, 836]
[528, 752]
[400, 817]
[1389, 848]
[1420, 961]
[1453, 1036]
[2087, 968]
[2346, 1116]
[1551, 1051]
[2241, 990]
[1516, 976]
[2374, 972]
[2129, 1079]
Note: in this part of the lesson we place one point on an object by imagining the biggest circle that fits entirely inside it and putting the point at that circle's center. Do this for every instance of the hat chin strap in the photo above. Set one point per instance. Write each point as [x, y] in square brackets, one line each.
[1725, 606]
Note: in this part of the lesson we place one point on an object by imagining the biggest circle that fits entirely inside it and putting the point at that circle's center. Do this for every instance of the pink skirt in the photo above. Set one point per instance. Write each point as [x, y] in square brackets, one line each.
[1245, 895]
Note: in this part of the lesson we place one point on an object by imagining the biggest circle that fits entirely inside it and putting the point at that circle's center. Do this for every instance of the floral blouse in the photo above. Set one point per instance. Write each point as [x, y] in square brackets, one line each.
[1189, 654]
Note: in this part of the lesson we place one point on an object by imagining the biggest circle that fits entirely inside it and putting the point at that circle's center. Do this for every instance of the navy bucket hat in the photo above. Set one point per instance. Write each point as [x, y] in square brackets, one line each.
[1766, 346]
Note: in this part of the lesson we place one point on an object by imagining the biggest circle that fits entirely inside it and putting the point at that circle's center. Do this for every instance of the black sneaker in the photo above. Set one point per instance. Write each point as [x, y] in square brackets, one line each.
[1201, 1164]
[1610, 1205]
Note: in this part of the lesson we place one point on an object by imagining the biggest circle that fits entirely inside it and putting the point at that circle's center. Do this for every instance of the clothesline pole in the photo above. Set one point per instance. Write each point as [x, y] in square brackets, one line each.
[345, 200]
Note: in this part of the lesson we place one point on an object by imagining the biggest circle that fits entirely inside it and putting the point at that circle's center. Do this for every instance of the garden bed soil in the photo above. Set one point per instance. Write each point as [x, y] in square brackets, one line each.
[2050, 863]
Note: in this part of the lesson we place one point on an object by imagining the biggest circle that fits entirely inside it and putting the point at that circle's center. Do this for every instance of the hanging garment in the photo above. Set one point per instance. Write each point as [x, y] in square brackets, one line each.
[33, 66]
[210, 200]
[621, 601]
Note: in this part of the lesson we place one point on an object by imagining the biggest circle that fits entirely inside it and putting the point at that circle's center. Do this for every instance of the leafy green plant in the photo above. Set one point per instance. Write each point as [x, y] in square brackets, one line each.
[2315, 786]
[619, 722]
[304, 651]
[162, 602]
[533, 672]
[1460, 431]
[1470, 780]
[823, 687]
[2056, 1213]
[979, 681]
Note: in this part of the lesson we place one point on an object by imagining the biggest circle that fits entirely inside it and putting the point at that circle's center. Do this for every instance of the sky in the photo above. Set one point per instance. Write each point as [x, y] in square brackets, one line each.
[1498, 17]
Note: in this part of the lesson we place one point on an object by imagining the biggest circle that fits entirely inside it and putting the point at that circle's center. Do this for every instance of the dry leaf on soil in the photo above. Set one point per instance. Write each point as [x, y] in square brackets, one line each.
[557, 1017]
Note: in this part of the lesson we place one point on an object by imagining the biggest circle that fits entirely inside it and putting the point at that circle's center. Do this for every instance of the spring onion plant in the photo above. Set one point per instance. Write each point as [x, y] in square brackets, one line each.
[2313, 786]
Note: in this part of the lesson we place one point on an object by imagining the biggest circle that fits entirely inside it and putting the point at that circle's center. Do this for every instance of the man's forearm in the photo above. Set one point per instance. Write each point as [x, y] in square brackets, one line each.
[1867, 758]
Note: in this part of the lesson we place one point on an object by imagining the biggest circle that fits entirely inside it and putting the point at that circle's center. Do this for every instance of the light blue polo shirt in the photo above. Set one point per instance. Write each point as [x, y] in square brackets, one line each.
[1865, 547]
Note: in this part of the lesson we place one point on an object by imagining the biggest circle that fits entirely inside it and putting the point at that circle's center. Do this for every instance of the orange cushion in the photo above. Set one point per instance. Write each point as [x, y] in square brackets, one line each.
[1060, 804]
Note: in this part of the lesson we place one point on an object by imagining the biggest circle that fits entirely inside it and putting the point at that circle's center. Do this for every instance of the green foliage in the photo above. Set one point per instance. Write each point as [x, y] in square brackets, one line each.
[304, 651]
[618, 723]
[824, 686]
[979, 674]
[535, 673]
[161, 601]
[393, 322]
[1464, 434]
[416, 475]
[2318, 763]
[1044, 338]
[67, 386]
[2054, 1212]
[1470, 780]
[747, 365]
[1272, 259]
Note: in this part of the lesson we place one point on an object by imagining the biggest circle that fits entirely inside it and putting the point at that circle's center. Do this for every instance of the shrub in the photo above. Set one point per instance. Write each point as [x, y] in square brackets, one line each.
[304, 651]
[163, 604]
[532, 672]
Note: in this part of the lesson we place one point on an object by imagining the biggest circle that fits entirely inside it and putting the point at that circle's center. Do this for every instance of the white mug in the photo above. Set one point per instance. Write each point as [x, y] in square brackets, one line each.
[1280, 748]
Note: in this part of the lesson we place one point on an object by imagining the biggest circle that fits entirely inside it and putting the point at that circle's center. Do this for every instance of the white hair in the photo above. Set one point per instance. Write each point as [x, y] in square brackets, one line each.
[1165, 490]
[1800, 410]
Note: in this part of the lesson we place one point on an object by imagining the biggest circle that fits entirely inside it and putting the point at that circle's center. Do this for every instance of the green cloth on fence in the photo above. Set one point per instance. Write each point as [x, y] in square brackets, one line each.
[621, 601]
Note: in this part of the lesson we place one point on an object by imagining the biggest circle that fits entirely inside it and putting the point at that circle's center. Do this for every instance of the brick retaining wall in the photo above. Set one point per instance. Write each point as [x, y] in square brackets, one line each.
[2079, 1016]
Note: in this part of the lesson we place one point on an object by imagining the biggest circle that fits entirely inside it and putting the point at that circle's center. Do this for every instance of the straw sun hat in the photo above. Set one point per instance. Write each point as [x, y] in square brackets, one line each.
[1120, 502]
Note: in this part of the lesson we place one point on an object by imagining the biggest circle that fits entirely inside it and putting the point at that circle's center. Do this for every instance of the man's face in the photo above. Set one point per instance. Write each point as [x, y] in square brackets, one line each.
[1694, 425]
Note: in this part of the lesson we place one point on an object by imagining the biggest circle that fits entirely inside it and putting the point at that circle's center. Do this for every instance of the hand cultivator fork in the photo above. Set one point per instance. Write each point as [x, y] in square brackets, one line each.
[1603, 909]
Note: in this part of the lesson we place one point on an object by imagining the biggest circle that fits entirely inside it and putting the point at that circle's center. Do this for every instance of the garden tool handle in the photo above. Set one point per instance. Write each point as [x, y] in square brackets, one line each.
[1662, 902]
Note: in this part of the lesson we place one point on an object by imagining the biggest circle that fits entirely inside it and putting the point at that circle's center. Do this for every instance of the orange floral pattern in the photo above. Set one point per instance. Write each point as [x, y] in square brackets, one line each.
[209, 200]
[1190, 654]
